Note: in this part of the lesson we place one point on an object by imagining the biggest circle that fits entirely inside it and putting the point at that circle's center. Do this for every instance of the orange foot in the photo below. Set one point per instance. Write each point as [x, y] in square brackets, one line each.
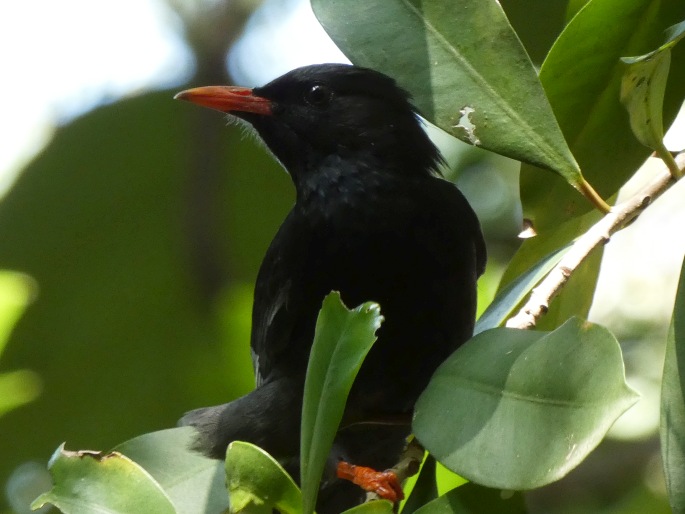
[383, 483]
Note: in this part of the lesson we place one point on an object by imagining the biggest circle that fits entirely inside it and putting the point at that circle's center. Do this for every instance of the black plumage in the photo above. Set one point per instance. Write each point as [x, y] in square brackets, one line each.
[372, 219]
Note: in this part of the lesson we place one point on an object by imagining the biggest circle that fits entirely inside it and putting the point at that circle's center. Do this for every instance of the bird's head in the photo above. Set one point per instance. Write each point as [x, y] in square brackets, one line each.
[325, 111]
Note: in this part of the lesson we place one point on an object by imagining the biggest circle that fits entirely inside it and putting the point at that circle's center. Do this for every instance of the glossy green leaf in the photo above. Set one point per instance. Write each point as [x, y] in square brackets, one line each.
[582, 77]
[87, 482]
[464, 66]
[257, 483]
[672, 429]
[475, 499]
[194, 483]
[506, 394]
[511, 295]
[342, 339]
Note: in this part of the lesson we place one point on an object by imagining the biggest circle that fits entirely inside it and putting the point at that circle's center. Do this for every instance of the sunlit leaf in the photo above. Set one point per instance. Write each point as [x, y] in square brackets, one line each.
[465, 67]
[21, 386]
[506, 394]
[257, 483]
[341, 341]
[642, 92]
[87, 482]
[672, 429]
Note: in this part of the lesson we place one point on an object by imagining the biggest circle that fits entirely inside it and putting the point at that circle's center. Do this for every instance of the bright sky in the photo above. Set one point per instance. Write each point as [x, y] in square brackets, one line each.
[60, 59]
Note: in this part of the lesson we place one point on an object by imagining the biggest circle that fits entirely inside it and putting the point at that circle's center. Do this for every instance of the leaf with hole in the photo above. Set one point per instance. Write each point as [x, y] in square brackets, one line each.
[87, 482]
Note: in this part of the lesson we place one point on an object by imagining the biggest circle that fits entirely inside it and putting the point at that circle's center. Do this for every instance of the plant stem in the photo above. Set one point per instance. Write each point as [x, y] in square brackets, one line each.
[600, 233]
[589, 192]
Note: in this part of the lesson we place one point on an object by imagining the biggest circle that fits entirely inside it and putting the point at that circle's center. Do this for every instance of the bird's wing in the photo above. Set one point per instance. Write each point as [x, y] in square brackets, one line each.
[280, 302]
[270, 321]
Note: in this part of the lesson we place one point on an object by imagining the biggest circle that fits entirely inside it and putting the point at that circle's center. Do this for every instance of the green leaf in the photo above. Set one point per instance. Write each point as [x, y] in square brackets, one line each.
[511, 296]
[582, 78]
[87, 482]
[194, 483]
[642, 92]
[464, 66]
[341, 341]
[20, 386]
[373, 507]
[425, 489]
[516, 409]
[672, 429]
[475, 499]
[257, 483]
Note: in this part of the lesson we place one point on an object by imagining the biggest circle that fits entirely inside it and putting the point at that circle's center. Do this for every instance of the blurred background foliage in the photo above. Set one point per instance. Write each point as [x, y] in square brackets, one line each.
[134, 227]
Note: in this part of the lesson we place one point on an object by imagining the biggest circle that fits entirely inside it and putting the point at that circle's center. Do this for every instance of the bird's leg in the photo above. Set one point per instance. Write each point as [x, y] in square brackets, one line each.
[385, 484]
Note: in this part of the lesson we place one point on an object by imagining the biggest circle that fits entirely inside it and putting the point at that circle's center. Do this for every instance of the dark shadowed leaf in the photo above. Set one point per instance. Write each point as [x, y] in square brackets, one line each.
[257, 484]
[672, 428]
[342, 339]
[87, 482]
[506, 394]
[464, 66]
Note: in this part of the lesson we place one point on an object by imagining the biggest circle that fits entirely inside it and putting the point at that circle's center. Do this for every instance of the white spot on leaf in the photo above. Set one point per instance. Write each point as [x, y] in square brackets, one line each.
[467, 125]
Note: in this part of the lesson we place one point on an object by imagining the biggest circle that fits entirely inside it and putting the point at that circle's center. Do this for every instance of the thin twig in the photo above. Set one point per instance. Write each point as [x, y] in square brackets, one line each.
[600, 233]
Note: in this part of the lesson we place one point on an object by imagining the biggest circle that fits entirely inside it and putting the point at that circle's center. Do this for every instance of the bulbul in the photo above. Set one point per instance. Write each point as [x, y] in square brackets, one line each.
[372, 219]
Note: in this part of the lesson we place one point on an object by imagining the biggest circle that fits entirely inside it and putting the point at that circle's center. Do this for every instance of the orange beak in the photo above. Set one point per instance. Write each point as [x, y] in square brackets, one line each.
[226, 99]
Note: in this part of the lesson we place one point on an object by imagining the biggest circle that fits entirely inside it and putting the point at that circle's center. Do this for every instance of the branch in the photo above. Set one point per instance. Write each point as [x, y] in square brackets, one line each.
[600, 233]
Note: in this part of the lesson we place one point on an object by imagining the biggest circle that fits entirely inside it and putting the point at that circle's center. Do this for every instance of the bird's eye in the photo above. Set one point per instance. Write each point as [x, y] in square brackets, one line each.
[318, 95]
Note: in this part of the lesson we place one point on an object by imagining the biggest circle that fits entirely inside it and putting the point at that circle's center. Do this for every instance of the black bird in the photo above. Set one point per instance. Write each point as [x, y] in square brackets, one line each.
[372, 219]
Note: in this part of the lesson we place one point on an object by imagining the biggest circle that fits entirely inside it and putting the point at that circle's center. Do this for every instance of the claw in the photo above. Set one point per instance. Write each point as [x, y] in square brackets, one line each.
[384, 483]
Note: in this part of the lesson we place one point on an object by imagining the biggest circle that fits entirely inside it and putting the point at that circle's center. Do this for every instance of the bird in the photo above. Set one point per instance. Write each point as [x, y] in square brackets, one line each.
[373, 219]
